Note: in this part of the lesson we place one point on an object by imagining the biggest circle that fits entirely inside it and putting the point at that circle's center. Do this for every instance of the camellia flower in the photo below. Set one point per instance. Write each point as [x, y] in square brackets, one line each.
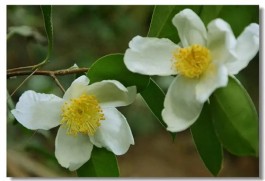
[87, 116]
[203, 61]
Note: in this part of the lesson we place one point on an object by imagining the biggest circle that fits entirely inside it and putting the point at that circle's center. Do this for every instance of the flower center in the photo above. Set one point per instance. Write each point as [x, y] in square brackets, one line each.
[82, 115]
[192, 61]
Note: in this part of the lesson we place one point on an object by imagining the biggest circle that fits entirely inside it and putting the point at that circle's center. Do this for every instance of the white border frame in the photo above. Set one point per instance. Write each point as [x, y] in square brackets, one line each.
[3, 29]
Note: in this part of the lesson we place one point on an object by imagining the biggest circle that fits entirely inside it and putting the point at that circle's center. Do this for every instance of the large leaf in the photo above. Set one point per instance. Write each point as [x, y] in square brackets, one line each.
[246, 13]
[113, 67]
[235, 119]
[161, 24]
[47, 16]
[207, 142]
[210, 12]
[102, 163]
[154, 97]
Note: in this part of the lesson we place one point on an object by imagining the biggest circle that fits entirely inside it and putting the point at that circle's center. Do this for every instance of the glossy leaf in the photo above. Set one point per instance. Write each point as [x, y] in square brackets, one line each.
[47, 16]
[248, 14]
[210, 12]
[154, 97]
[161, 24]
[113, 67]
[235, 119]
[102, 163]
[207, 142]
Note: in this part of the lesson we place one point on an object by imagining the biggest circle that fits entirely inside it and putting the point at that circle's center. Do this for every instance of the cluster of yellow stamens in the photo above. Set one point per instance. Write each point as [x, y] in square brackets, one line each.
[192, 61]
[82, 115]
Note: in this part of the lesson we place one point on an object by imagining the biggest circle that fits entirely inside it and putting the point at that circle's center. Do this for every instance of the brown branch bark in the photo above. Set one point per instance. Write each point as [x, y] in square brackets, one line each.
[46, 72]
[57, 82]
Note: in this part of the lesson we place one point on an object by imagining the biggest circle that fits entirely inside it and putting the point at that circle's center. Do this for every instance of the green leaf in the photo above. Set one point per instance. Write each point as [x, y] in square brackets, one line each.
[102, 163]
[235, 119]
[161, 24]
[113, 67]
[207, 142]
[246, 13]
[210, 12]
[47, 16]
[154, 97]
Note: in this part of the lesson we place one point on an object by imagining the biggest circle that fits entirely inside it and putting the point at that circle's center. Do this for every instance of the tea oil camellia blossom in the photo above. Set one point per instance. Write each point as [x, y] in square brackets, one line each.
[203, 60]
[87, 116]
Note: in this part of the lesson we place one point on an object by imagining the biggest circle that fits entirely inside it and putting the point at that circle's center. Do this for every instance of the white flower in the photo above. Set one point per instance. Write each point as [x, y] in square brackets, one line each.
[87, 116]
[203, 60]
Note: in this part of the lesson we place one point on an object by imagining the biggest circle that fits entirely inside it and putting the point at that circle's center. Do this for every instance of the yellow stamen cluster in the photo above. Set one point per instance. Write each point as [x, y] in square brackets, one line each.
[192, 61]
[82, 115]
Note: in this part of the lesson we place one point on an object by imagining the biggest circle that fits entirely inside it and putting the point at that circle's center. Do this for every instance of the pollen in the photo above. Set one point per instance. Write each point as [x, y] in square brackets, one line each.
[192, 61]
[82, 115]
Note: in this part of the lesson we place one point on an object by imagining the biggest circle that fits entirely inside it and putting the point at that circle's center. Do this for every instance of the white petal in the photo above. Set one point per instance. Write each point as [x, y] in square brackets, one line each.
[181, 109]
[190, 28]
[77, 88]
[114, 133]
[150, 56]
[216, 76]
[38, 111]
[111, 93]
[72, 151]
[246, 48]
[221, 41]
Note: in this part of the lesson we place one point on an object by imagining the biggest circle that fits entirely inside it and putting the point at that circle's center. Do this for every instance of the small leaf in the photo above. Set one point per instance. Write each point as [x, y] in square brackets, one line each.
[25, 31]
[102, 163]
[47, 16]
[161, 24]
[21, 30]
[154, 97]
[235, 119]
[207, 142]
[113, 67]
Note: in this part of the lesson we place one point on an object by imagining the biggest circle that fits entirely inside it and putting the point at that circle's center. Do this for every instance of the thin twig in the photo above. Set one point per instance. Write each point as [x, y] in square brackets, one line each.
[57, 82]
[10, 106]
[23, 82]
[20, 68]
[45, 72]
[31, 67]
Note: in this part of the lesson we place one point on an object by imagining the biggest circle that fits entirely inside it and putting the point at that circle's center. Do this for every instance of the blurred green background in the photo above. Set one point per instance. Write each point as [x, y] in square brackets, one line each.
[82, 34]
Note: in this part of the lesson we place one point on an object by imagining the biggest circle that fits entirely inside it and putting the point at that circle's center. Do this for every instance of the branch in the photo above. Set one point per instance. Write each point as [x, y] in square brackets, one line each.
[57, 82]
[20, 68]
[13, 72]
[23, 82]
[46, 72]
[32, 67]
